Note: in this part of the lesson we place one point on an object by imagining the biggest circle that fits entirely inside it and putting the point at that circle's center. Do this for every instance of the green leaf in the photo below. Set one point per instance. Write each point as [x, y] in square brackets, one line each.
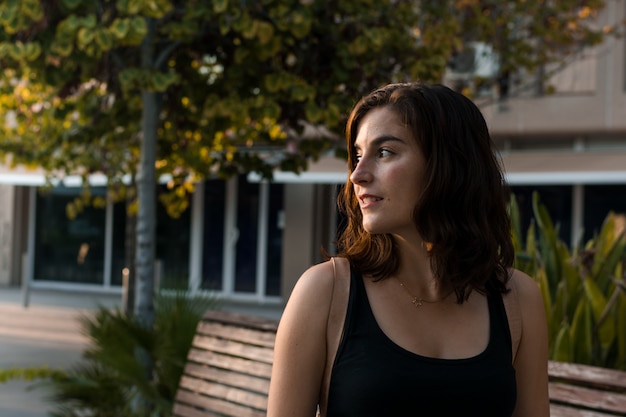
[32, 9]
[562, 346]
[313, 112]
[104, 39]
[549, 240]
[90, 21]
[71, 4]
[273, 82]
[559, 310]
[162, 81]
[120, 27]
[220, 6]
[85, 38]
[606, 329]
[131, 7]
[621, 330]
[582, 339]
[300, 24]
[265, 32]
[138, 30]
[63, 49]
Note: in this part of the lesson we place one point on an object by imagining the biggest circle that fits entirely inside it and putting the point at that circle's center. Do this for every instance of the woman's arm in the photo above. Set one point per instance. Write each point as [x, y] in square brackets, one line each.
[300, 349]
[531, 362]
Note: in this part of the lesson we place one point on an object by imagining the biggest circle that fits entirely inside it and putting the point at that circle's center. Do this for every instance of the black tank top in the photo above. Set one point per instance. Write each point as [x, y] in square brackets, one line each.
[374, 377]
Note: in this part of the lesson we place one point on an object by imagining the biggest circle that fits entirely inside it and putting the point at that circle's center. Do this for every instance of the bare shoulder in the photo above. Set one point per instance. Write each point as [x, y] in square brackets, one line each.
[531, 305]
[527, 289]
[314, 285]
[311, 295]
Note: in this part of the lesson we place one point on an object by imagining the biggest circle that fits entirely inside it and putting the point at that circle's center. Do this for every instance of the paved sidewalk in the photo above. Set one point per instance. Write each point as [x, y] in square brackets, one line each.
[46, 332]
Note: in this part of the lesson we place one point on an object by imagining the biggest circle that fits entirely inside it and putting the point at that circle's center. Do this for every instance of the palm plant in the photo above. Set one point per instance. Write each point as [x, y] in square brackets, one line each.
[111, 381]
[584, 290]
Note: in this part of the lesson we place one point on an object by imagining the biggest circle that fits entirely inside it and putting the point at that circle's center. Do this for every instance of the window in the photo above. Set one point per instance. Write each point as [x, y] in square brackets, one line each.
[213, 248]
[557, 200]
[68, 250]
[599, 201]
[242, 238]
[275, 226]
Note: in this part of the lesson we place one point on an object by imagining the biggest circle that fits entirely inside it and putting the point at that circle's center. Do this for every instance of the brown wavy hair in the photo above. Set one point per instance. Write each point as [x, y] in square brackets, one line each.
[462, 210]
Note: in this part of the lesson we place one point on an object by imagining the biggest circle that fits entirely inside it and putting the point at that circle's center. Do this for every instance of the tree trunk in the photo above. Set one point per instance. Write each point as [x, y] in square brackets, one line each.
[130, 246]
[146, 216]
[146, 192]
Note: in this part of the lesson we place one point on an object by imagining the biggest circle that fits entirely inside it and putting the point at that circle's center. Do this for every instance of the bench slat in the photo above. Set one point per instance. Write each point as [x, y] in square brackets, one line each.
[241, 320]
[233, 348]
[229, 399]
[189, 404]
[558, 410]
[587, 398]
[243, 335]
[183, 410]
[227, 377]
[212, 359]
[592, 376]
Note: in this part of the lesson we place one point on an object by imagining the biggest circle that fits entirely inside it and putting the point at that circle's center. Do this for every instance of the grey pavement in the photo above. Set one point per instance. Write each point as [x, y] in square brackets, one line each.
[46, 332]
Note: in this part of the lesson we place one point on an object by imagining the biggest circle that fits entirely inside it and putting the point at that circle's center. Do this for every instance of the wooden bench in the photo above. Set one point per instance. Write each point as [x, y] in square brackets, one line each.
[586, 391]
[229, 366]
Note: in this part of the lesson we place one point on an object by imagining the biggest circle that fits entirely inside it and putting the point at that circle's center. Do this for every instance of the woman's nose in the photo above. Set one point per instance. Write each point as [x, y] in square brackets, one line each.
[361, 173]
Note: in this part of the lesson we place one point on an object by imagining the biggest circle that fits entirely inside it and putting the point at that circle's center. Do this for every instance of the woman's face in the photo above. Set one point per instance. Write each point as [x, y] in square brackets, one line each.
[388, 177]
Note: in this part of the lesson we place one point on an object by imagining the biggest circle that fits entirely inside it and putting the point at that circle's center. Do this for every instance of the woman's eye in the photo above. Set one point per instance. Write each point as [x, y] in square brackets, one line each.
[384, 152]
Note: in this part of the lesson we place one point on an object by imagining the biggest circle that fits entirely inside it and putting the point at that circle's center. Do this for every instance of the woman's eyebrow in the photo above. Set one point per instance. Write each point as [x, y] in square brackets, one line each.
[380, 140]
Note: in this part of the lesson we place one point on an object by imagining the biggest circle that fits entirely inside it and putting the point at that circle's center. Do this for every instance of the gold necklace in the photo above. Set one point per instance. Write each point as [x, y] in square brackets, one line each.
[417, 301]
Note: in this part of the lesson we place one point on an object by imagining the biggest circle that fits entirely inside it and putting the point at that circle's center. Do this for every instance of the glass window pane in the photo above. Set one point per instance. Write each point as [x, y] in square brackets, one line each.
[213, 247]
[68, 250]
[274, 239]
[247, 221]
[119, 243]
[599, 201]
[558, 201]
[172, 246]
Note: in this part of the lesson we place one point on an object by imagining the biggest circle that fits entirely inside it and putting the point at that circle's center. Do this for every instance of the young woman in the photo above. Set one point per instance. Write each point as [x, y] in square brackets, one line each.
[430, 253]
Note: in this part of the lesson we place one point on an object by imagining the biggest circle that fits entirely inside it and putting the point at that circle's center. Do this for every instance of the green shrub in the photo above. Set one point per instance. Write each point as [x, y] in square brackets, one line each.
[584, 289]
[110, 381]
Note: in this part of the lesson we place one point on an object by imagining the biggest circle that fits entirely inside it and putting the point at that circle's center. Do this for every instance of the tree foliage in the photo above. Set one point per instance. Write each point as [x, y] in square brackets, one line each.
[238, 81]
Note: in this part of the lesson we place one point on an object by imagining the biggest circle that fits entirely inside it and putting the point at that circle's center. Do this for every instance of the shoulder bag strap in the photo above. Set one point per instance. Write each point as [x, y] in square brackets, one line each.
[335, 325]
[511, 303]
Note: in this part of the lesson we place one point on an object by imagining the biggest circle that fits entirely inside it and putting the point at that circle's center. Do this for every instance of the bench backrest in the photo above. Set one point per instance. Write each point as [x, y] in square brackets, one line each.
[586, 391]
[229, 366]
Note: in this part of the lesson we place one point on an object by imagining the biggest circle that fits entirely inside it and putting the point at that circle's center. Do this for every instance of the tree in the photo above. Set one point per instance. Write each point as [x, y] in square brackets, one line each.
[141, 88]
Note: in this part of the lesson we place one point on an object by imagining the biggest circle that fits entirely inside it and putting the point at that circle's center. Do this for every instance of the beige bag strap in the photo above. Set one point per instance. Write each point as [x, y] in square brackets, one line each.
[336, 320]
[511, 304]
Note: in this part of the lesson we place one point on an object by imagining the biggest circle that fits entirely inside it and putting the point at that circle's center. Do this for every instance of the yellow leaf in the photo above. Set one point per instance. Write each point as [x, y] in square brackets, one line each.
[104, 39]
[606, 330]
[119, 28]
[220, 6]
[265, 32]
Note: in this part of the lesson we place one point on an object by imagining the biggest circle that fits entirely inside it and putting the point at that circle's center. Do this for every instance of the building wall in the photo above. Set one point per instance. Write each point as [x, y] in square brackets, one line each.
[298, 236]
[7, 220]
[589, 97]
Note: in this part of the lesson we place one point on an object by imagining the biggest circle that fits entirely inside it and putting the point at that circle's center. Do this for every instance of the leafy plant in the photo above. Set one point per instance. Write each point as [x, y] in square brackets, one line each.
[583, 289]
[110, 381]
